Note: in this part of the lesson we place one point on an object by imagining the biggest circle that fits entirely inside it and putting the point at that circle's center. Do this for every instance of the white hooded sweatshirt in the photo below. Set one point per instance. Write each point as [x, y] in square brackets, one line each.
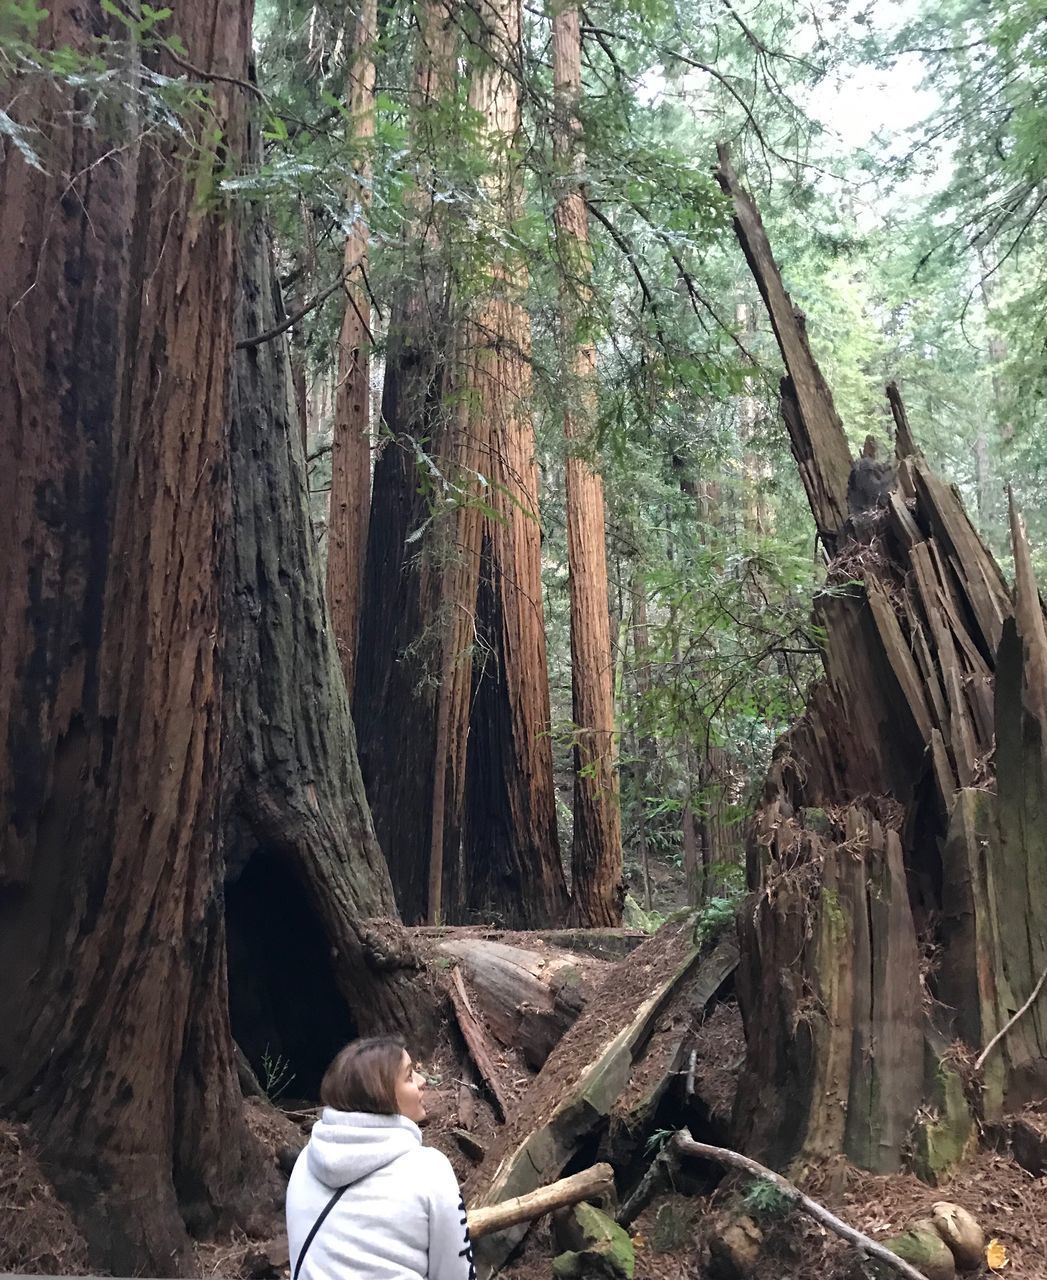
[402, 1217]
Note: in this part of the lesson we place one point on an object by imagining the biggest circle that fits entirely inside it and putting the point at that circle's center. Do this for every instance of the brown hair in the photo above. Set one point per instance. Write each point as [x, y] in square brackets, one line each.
[363, 1076]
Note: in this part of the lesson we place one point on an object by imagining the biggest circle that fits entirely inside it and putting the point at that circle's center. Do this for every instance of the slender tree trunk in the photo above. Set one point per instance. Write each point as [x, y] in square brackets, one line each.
[351, 444]
[596, 856]
[646, 745]
[118, 288]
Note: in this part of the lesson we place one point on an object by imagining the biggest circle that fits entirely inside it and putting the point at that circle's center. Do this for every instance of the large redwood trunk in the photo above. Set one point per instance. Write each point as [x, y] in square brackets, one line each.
[309, 964]
[511, 849]
[463, 399]
[351, 445]
[596, 856]
[118, 288]
[399, 655]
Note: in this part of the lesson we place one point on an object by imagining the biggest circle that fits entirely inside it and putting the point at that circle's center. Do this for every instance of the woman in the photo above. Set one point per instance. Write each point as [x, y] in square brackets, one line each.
[366, 1200]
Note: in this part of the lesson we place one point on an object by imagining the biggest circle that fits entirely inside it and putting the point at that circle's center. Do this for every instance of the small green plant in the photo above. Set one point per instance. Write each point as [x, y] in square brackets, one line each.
[276, 1074]
[657, 1140]
[715, 919]
[764, 1202]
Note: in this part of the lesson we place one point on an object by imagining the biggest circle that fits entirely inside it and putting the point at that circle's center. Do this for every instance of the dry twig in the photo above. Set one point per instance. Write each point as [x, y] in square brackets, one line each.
[687, 1146]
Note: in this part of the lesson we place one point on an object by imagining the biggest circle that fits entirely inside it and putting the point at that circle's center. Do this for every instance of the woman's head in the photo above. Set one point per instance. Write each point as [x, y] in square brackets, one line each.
[375, 1075]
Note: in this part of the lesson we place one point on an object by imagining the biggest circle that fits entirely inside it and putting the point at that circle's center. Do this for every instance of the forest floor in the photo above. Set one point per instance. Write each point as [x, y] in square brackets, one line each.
[671, 1235]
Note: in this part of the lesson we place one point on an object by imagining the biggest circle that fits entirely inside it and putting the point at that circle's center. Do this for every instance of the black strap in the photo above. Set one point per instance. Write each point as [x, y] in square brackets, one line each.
[318, 1224]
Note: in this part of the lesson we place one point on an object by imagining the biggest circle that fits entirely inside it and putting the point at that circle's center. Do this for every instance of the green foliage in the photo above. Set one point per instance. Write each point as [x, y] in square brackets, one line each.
[764, 1202]
[716, 919]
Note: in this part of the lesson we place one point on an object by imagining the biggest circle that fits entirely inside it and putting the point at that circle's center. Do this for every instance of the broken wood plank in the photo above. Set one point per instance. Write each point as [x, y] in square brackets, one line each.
[590, 1184]
[899, 655]
[471, 1146]
[476, 1042]
[961, 730]
[904, 527]
[1028, 613]
[977, 570]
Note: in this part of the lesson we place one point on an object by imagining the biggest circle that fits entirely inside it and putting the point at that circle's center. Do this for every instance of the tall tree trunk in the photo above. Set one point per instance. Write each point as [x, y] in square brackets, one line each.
[647, 749]
[351, 444]
[400, 654]
[596, 855]
[465, 404]
[305, 876]
[512, 858]
[118, 290]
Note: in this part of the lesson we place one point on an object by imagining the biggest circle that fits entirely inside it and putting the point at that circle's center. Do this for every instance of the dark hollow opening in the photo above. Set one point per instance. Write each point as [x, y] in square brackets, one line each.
[287, 1014]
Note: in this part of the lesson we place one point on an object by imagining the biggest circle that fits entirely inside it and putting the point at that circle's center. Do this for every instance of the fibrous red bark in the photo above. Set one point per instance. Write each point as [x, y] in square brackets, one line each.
[118, 289]
[597, 891]
[351, 444]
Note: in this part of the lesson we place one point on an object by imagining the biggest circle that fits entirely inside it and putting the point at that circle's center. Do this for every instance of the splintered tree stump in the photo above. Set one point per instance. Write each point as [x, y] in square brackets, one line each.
[882, 830]
[528, 998]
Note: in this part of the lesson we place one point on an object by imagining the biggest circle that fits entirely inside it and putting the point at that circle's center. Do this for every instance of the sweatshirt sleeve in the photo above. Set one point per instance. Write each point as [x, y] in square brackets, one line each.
[450, 1249]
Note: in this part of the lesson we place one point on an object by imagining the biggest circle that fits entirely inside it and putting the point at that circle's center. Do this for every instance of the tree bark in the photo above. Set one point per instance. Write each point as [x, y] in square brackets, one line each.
[880, 833]
[297, 818]
[646, 746]
[351, 443]
[118, 286]
[400, 654]
[474, 716]
[596, 856]
[511, 851]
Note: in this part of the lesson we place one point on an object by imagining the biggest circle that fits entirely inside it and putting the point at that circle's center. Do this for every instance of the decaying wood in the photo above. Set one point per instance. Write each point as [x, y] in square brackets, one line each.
[906, 445]
[659, 1175]
[815, 431]
[528, 998]
[604, 944]
[476, 1042]
[980, 1060]
[472, 1147]
[592, 1066]
[664, 1055]
[686, 1145]
[590, 1184]
[467, 1098]
[880, 831]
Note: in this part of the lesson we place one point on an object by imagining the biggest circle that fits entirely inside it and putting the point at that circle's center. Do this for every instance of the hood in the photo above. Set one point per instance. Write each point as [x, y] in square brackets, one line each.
[346, 1146]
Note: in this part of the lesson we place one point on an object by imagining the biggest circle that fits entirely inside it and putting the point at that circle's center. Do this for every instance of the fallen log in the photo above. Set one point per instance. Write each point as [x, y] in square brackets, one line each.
[591, 1068]
[528, 998]
[590, 1184]
[687, 1146]
[476, 1042]
[603, 944]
